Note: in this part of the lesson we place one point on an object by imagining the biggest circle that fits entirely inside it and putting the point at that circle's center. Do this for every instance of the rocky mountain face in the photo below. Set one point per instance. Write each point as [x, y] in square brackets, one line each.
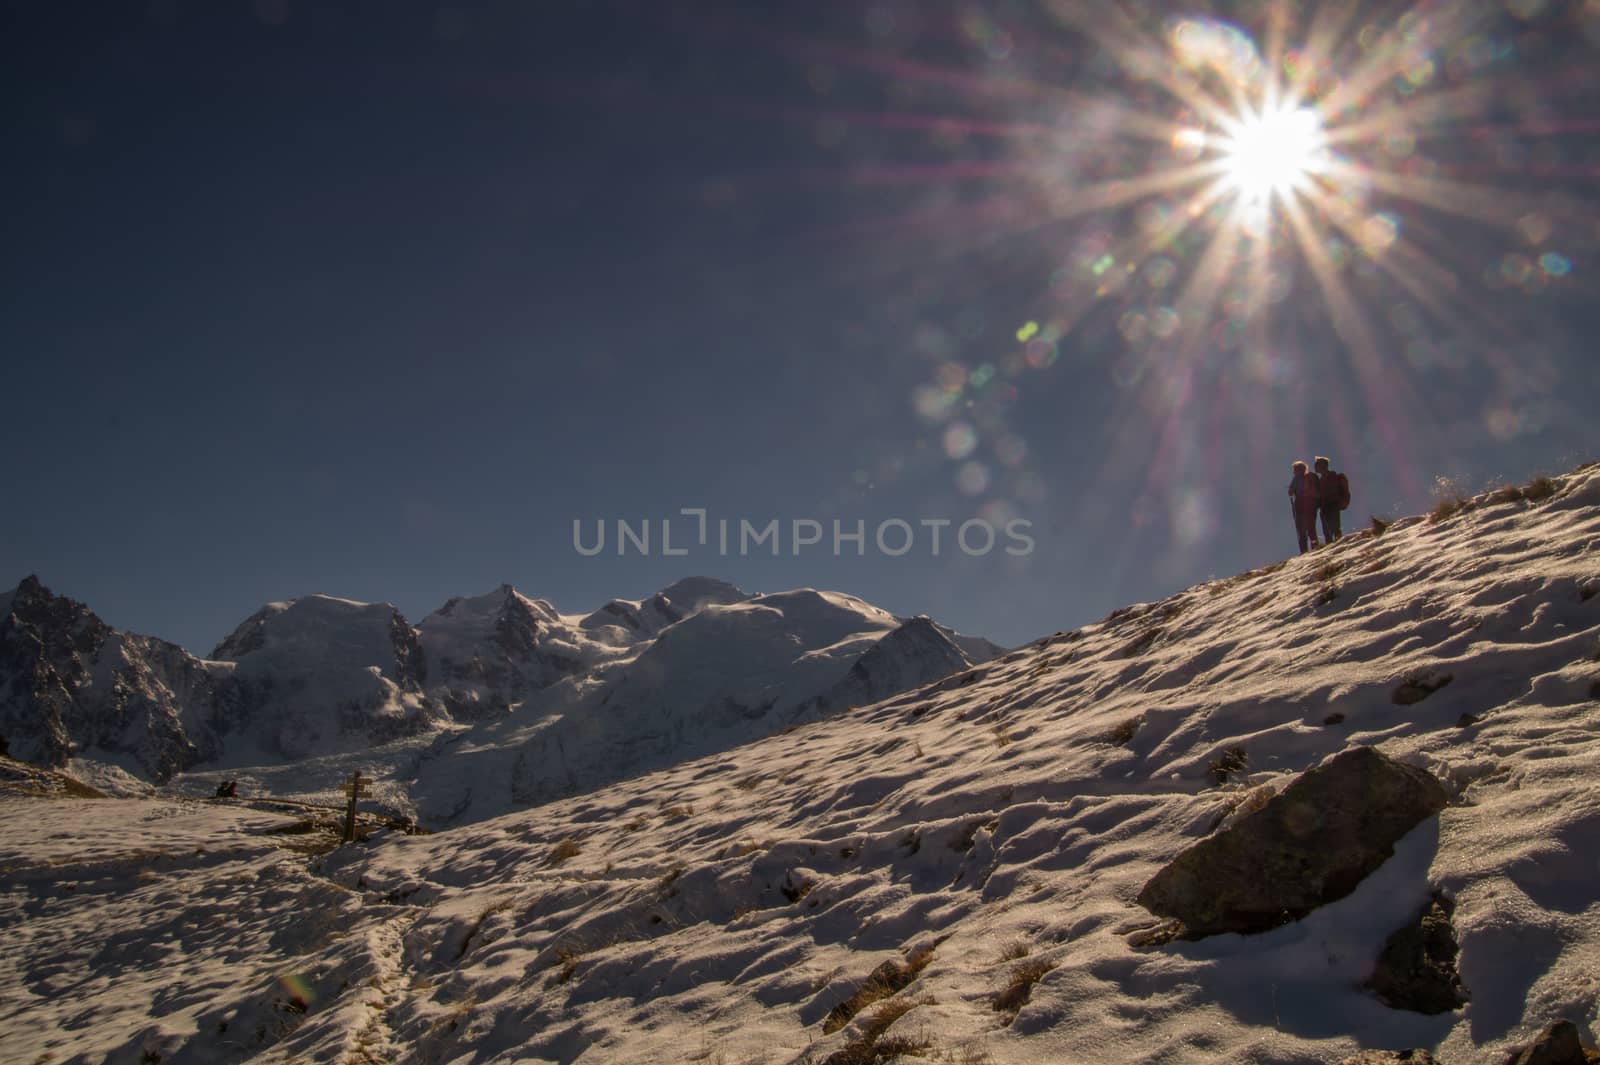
[68, 682]
[698, 663]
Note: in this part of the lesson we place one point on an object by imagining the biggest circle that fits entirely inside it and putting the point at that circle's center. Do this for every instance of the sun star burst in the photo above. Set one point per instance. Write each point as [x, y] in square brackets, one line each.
[1272, 152]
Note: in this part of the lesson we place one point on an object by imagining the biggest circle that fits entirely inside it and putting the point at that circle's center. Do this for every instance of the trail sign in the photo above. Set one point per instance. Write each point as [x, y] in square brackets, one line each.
[353, 788]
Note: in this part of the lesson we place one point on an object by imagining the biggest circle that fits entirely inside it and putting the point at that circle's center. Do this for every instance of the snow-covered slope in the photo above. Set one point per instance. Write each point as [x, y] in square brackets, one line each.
[970, 852]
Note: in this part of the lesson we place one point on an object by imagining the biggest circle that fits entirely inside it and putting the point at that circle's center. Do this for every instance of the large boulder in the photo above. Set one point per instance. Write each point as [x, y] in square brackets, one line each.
[1307, 846]
[1417, 969]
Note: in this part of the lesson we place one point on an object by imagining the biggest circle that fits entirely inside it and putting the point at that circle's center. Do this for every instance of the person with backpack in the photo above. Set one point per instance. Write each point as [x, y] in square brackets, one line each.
[1303, 499]
[1333, 496]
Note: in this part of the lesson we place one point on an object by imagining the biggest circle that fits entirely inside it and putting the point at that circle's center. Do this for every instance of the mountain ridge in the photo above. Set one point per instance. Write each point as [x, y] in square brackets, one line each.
[320, 675]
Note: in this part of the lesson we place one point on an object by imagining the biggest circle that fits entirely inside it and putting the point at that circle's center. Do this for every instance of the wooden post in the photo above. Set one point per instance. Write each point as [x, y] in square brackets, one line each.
[352, 788]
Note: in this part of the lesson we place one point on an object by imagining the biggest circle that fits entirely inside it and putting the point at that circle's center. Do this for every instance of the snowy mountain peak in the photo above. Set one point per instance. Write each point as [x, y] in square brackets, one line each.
[27, 588]
[917, 652]
[333, 672]
[485, 653]
[692, 593]
[58, 621]
[630, 619]
[490, 604]
[344, 634]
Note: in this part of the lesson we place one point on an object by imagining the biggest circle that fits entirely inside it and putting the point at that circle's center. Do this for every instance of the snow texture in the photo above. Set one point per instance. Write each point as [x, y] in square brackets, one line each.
[719, 909]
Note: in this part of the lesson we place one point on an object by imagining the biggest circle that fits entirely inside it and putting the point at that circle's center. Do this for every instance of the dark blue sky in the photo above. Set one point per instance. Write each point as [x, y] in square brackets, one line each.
[377, 298]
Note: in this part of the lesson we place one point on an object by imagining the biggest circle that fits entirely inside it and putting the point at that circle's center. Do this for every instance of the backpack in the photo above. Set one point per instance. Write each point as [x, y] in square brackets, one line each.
[1341, 491]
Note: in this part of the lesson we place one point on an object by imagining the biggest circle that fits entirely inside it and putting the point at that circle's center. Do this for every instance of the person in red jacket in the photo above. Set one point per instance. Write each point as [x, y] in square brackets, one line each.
[1333, 495]
[1303, 498]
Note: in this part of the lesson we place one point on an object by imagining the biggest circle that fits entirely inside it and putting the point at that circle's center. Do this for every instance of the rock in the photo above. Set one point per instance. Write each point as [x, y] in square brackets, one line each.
[1417, 969]
[70, 683]
[1414, 689]
[1309, 845]
[1558, 1044]
[1392, 1057]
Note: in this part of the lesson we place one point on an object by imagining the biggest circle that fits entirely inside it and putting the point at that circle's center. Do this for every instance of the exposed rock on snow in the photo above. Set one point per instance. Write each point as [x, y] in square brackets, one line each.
[1417, 969]
[1415, 689]
[1558, 1044]
[1305, 847]
[1391, 1057]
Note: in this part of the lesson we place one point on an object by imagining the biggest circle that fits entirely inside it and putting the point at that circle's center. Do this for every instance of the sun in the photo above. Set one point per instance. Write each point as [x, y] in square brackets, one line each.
[1272, 152]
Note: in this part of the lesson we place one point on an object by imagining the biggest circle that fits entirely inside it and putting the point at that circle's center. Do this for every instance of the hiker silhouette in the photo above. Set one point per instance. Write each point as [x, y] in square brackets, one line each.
[1333, 495]
[1303, 501]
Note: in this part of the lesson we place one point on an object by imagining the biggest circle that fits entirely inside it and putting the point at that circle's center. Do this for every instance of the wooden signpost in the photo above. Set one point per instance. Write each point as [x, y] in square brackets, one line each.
[353, 788]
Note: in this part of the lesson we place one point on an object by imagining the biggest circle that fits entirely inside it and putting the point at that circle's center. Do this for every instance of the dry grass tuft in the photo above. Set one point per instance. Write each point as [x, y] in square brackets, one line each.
[567, 848]
[1507, 493]
[963, 1055]
[1142, 642]
[1232, 760]
[568, 957]
[1010, 999]
[885, 1015]
[670, 877]
[878, 1051]
[1448, 500]
[493, 908]
[1122, 733]
[1014, 949]
[1538, 489]
[886, 981]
